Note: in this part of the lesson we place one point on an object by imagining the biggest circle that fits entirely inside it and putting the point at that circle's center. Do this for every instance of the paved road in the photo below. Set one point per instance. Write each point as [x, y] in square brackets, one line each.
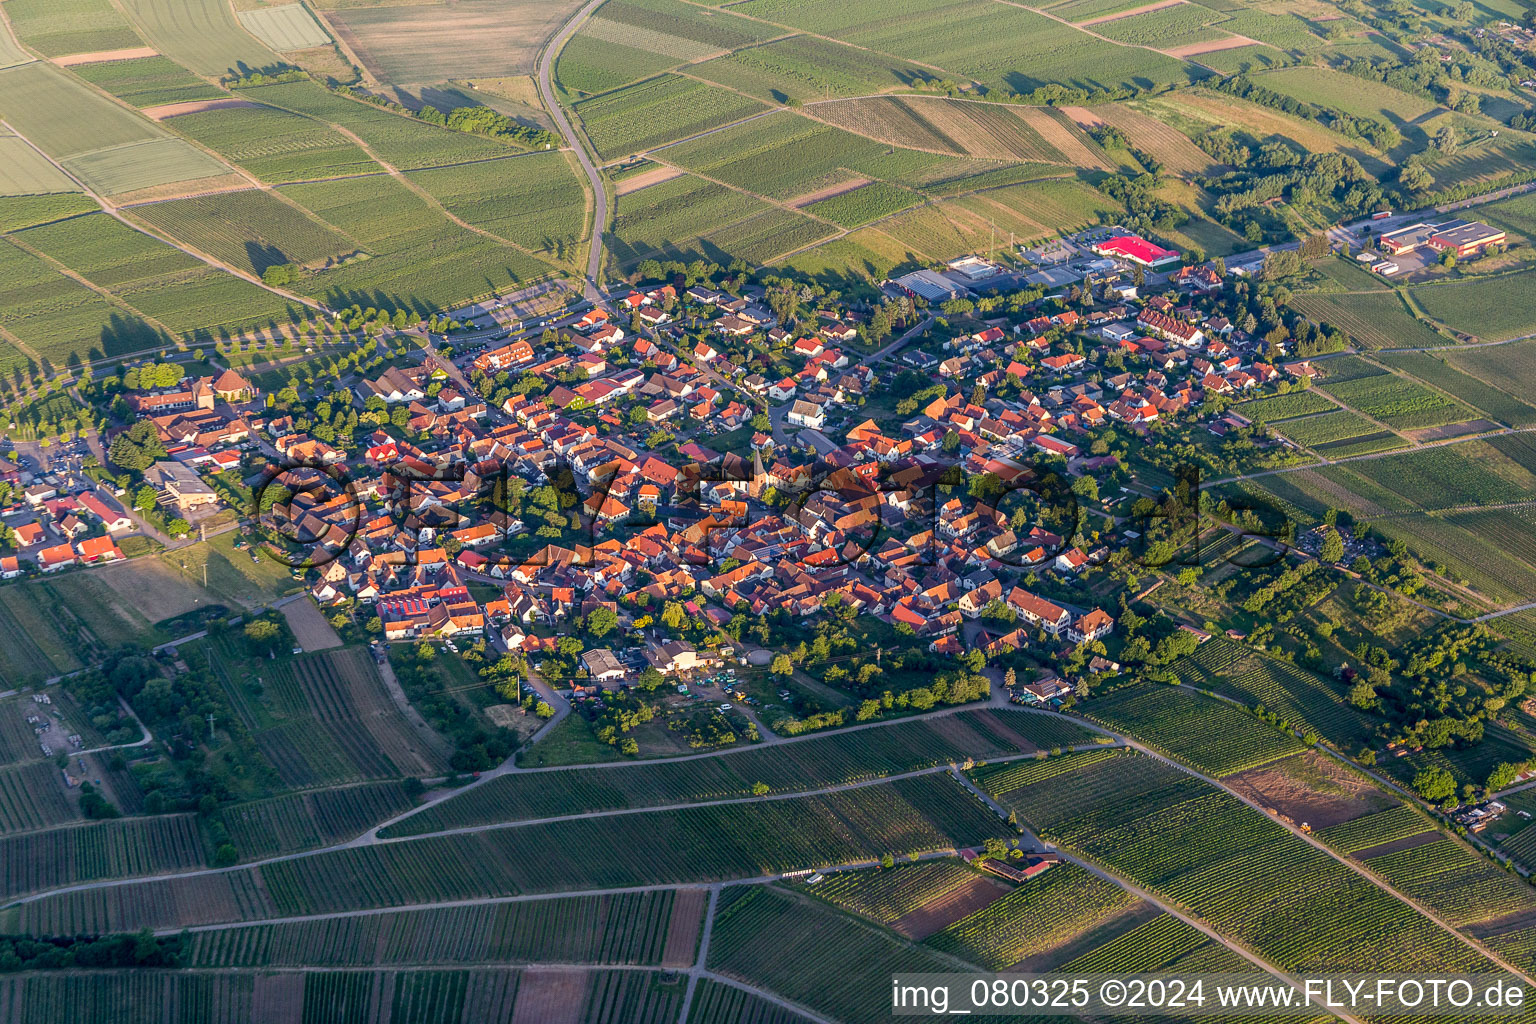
[592, 289]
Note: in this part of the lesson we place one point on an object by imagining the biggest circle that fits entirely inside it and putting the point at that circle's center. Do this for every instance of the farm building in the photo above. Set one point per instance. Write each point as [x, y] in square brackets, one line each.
[1137, 250]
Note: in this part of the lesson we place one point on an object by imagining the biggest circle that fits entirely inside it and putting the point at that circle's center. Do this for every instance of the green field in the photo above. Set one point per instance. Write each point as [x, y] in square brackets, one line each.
[26, 172]
[631, 928]
[656, 112]
[56, 28]
[1506, 367]
[1039, 916]
[1327, 427]
[147, 81]
[784, 768]
[113, 150]
[1284, 407]
[535, 201]
[864, 204]
[1374, 319]
[403, 142]
[1398, 402]
[199, 34]
[1169, 27]
[668, 219]
[56, 317]
[420, 260]
[1238, 870]
[275, 145]
[251, 230]
[588, 65]
[1349, 93]
[1001, 46]
[289, 27]
[661, 847]
[1494, 308]
[805, 68]
[783, 156]
[1210, 734]
[156, 280]
[1433, 369]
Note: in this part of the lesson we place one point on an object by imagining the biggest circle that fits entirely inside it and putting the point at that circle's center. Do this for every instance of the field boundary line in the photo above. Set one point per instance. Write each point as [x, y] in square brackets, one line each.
[77, 277]
[1135, 889]
[1474, 944]
[112, 211]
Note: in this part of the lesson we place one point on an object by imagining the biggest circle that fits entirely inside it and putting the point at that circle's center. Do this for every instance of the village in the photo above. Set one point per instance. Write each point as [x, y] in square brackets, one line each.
[948, 462]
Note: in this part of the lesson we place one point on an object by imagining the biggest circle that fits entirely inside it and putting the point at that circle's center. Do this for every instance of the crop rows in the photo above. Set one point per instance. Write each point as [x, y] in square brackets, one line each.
[1398, 402]
[251, 230]
[63, 856]
[1147, 947]
[1340, 425]
[147, 81]
[813, 954]
[1044, 914]
[888, 894]
[1375, 829]
[31, 796]
[1210, 734]
[658, 111]
[624, 929]
[915, 815]
[534, 201]
[864, 204]
[1301, 698]
[805, 68]
[1472, 474]
[1459, 885]
[1284, 407]
[783, 156]
[402, 142]
[1501, 406]
[1492, 308]
[1502, 576]
[791, 767]
[1375, 319]
[275, 145]
[1242, 873]
[301, 821]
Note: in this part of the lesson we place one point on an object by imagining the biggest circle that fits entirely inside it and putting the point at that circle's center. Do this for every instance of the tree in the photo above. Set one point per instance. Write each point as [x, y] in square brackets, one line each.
[262, 635]
[543, 710]
[602, 621]
[1502, 775]
[781, 665]
[226, 856]
[1434, 784]
[760, 789]
[1332, 549]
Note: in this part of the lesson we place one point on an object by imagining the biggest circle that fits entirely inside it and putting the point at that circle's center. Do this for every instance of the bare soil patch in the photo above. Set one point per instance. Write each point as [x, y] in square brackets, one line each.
[1310, 788]
[309, 627]
[1143, 9]
[958, 903]
[1399, 845]
[682, 946]
[646, 179]
[1451, 430]
[828, 192]
[1210, 46]
[102, 56]
[164, 111]
[551, 997]
[1084, 116]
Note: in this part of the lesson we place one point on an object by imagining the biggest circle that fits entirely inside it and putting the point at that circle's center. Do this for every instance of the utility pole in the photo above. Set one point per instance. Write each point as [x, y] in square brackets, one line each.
[210, 727]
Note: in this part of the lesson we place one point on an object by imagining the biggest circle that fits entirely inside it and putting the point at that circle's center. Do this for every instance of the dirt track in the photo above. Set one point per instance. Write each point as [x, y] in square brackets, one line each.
[102, 56]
